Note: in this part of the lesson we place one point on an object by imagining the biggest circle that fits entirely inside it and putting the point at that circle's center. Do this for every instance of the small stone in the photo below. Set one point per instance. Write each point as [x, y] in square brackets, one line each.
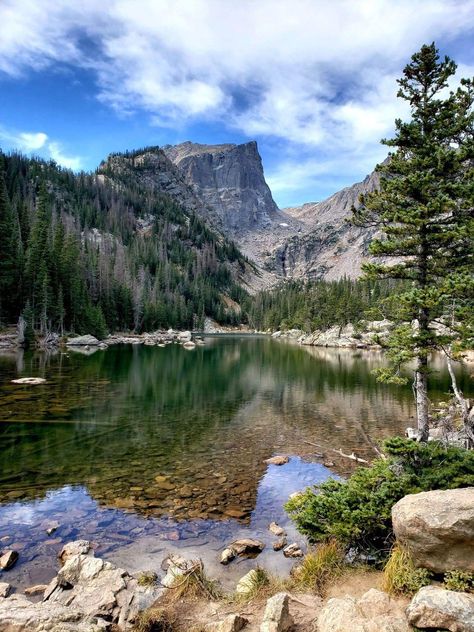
[276, 529]
[328, 463]
[8, 560]
[232, 623]
[4, 589]
[277, 616]
[277, 460]
[227, 555]
[292, 550]
[52, 526]
[280, 544]
[36, 590]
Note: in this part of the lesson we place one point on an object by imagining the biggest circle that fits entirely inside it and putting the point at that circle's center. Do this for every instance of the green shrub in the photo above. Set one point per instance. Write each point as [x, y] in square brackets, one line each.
[400, 576]
[357, 512]
[461, 581]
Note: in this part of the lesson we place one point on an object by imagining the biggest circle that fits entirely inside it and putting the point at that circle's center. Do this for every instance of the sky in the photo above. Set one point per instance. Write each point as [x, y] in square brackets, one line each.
[312, 81]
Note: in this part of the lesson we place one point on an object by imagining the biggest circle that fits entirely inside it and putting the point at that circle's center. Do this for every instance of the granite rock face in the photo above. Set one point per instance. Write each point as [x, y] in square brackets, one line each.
[437, 528]
[230, 180]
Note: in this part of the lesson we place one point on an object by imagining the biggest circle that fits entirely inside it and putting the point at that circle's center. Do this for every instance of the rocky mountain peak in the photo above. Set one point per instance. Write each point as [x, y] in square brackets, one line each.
[229, 179]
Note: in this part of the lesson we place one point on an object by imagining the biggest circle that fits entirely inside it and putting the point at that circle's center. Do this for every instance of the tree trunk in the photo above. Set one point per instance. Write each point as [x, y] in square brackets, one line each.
[421, 397]
[467, 417]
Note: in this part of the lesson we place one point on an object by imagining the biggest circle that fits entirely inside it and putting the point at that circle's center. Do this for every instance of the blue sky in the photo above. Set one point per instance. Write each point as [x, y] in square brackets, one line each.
[313, 81]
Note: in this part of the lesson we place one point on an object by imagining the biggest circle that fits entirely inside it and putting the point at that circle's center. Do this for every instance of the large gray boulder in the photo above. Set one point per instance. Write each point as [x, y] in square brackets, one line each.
[435, 608]
[83, 341]
[375, 611]
[277, 617]
[99, 589]
[437, 528]
[19, 614]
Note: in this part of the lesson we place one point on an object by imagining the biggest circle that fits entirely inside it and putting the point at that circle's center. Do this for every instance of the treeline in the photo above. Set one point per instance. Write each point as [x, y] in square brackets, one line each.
[315, 305]
[79, 253]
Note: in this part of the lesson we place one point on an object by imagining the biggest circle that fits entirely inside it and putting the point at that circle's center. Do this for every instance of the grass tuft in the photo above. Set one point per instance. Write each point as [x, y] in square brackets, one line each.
[320, 567]
[194, 584]
[400, 575]
[155, 620]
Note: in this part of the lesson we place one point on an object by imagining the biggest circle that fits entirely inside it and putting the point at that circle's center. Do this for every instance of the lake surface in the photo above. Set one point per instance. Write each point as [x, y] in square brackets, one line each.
[148, 450]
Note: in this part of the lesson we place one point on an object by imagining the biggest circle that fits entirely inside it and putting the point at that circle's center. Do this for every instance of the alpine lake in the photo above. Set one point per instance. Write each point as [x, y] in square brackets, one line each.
[147, 451]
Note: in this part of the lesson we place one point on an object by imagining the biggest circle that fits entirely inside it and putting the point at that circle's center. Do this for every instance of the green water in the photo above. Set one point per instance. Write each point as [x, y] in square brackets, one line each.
[180, 437]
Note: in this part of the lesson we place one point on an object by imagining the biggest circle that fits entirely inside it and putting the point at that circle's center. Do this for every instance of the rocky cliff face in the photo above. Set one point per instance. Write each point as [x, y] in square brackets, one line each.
[229, 179]
[327, 246]
[226, 185]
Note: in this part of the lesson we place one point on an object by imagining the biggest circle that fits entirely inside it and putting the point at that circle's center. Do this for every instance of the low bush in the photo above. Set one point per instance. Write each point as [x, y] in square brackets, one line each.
[461, 581]
[400, 575]
[357, 512]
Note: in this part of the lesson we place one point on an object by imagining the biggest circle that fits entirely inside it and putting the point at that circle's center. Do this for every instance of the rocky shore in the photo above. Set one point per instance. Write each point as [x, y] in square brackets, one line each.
[90, 594]
[369, 335]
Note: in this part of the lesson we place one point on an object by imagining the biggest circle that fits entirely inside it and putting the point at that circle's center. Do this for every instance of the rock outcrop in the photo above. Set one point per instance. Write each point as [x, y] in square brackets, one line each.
[437, 528]
[373, 612]
[437, 609]
[229, 180]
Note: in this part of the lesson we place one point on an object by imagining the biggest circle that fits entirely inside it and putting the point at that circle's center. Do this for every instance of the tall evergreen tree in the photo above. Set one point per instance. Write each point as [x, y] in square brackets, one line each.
[8, 250]
[424, 209]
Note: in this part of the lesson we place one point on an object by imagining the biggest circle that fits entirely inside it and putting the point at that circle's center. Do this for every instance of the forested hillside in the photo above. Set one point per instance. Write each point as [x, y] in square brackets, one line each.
[85, 253]
[321, 304]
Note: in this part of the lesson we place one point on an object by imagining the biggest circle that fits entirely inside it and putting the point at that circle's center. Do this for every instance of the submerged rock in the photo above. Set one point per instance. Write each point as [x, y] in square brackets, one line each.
[8, 560]
[437, 528]
[277, 460]
[4, 589]
[280, 544]
[436, 608]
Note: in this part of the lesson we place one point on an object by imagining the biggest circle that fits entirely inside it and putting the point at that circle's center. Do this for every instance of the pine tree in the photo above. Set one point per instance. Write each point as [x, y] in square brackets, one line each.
[424, 209]
[8, 250]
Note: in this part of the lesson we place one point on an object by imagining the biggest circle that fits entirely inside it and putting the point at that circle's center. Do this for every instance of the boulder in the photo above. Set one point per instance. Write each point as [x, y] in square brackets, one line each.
[98, 589]
[246, 583]
[77, 547]
[436, 608]
[19, 614]
[232, 623]
[83, 341]
[277, 616]
[227, 555]
[8, 559]
[375, 611]
[247, 546]
[36, 590]
[437, 528]
[4, 589]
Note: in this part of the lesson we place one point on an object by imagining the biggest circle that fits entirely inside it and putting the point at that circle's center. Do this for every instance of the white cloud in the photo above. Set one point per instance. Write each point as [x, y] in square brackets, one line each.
[316, 74]
[38, 143]
[56, 153]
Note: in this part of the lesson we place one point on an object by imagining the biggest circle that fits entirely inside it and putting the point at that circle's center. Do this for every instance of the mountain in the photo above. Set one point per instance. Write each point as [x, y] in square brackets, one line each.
[328, 246]
[310, 241]
[124, 248]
